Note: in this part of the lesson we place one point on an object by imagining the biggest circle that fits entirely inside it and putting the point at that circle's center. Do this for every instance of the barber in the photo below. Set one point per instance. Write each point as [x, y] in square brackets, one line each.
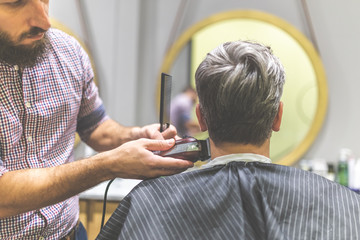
[47, 93]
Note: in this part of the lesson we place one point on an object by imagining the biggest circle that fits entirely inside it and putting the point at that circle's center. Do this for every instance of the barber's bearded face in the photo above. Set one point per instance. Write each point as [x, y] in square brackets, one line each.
[14, 53]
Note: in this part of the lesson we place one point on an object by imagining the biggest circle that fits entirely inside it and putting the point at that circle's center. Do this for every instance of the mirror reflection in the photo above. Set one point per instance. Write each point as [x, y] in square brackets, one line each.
[305, 90]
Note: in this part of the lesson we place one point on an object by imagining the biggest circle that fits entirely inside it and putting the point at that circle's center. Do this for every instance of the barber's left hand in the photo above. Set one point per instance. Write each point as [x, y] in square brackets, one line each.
[152, 131]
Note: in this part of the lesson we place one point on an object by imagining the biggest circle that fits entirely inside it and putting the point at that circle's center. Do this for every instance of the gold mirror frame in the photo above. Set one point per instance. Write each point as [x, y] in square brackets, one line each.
[320, 113]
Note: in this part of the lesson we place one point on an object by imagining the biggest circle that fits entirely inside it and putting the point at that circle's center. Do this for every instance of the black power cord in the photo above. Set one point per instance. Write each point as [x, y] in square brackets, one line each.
[104, 205]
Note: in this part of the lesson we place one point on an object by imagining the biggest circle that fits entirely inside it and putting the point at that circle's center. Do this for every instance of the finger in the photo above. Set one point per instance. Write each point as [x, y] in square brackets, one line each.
[151, 131]
[156, 135]
[159, 145]
[168, 166]
[170, 132]
[173, 164]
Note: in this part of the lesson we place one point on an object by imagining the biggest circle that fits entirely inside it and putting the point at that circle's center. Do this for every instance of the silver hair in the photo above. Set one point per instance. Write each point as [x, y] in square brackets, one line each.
[239, 85]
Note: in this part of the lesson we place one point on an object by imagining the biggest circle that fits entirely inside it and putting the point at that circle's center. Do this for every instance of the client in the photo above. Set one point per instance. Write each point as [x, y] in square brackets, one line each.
[239, 194]
[182, 106]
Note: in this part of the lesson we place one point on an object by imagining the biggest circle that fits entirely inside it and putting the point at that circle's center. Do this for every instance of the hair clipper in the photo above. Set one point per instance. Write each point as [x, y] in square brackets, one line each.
[188, 149]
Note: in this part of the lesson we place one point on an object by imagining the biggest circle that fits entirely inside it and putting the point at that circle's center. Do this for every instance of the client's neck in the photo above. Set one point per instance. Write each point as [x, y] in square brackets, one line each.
[231, 148]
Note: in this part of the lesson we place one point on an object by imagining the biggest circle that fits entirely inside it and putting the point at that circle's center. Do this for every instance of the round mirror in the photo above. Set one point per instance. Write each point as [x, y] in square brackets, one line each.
[305, 90]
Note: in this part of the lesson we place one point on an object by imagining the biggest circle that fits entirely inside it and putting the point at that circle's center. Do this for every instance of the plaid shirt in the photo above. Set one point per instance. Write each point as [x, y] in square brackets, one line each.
[40, 112]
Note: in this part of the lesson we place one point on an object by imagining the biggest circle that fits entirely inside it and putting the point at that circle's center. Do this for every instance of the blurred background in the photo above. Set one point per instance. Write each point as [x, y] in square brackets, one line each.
[128, 41]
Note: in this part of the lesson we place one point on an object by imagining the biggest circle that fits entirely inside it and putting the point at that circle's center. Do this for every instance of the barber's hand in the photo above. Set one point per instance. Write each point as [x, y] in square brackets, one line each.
[136, 160]
[153, 132]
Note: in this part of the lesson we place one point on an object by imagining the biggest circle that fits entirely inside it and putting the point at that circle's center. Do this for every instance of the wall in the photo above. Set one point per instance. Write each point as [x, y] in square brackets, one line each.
[130, 39]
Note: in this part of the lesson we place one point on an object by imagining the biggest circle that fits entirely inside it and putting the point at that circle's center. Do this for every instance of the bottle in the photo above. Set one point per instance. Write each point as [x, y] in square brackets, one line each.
[331, 172]
[351, 162]
[343, 173]
[342, 176]
[354, 176]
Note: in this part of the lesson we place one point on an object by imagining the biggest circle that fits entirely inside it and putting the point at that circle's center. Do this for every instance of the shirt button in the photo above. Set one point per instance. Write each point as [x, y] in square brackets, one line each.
[29, 139]
[16, 67]
[28, 104]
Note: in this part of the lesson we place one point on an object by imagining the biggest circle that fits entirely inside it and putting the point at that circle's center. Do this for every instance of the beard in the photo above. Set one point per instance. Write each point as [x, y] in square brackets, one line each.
[23, 55]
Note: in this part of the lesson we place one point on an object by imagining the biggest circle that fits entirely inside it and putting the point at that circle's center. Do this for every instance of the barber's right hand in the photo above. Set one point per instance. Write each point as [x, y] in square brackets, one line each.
[136, 160]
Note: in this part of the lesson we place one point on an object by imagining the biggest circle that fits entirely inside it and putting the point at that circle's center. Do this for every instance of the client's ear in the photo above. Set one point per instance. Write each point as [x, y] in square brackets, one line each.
[200, 117]
[278, 117]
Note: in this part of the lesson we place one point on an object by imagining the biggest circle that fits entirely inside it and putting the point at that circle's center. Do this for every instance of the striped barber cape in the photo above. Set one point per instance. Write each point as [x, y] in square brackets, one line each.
[237, 200]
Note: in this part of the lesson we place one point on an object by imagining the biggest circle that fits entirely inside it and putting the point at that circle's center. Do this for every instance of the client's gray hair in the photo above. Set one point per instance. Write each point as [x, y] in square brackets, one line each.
[239, 85]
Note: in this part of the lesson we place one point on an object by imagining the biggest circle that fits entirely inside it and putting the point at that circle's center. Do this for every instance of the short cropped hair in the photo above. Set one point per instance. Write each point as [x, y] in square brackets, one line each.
[239, 85]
